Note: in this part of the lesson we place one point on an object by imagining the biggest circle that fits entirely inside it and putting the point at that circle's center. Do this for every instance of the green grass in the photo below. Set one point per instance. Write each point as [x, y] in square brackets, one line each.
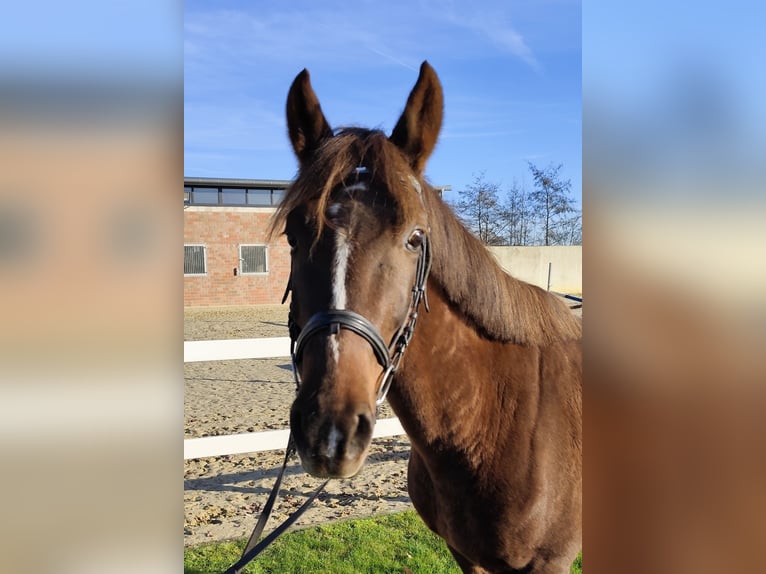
[392, 543]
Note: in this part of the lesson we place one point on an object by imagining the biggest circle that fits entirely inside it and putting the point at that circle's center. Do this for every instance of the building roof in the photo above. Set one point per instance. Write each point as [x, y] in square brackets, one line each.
[236, 182]
[258, 183]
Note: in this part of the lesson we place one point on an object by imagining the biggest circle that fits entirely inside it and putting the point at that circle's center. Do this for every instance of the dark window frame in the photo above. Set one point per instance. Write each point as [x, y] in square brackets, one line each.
[204, 259]
[242, 259]
[274, 196]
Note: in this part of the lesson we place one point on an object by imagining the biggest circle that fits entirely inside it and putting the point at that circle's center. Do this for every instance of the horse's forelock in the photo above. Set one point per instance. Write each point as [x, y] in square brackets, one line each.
[352, 152]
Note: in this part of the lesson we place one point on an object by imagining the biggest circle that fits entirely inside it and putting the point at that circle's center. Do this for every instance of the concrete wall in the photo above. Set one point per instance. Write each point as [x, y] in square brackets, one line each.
[530, 264]
[221, 230]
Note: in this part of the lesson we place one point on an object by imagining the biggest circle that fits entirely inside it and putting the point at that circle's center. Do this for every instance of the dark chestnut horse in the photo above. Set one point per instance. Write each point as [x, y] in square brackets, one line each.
[489, 388]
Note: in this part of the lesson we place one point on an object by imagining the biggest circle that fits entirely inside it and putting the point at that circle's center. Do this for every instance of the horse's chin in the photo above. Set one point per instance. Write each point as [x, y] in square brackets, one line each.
[323, 467]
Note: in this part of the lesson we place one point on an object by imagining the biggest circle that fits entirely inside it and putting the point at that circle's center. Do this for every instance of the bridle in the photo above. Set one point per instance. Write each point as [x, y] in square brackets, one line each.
[333, 320]
[389, 357]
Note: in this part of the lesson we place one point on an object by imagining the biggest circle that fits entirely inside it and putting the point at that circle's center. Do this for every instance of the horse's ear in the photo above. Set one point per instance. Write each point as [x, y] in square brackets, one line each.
[417, 130]
[306, 123]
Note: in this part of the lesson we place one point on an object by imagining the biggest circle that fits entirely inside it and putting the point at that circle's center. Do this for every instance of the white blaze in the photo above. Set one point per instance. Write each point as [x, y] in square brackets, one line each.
[332, 442]
[339, 268]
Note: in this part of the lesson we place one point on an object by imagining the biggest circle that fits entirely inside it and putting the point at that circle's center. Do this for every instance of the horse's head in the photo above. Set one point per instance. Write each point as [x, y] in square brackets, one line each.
[356, 220]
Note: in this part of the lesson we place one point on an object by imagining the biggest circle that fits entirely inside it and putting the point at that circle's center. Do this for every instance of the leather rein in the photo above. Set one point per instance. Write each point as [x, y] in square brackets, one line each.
[389, 357]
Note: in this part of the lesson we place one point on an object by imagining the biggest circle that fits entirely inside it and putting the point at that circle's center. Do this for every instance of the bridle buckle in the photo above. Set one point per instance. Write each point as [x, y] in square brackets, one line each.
[385, 383]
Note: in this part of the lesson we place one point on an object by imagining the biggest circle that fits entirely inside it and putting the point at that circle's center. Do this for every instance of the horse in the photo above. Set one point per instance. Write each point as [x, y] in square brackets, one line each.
[487, 385]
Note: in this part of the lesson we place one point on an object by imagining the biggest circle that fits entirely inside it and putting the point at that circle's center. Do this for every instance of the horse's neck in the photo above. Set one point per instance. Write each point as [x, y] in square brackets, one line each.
[454, 392]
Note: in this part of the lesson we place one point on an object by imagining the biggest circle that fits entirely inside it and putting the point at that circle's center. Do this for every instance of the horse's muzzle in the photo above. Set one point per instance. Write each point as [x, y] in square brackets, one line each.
[332, 446]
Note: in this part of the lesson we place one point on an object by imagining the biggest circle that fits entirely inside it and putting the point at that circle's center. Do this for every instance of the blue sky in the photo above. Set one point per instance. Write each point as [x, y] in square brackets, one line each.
[511, 73]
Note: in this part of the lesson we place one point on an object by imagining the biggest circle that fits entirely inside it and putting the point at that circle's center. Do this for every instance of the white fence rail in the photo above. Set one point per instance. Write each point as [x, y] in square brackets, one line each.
[267, 348]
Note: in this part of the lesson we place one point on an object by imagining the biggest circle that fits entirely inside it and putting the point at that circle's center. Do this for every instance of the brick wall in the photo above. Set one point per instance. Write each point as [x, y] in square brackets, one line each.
[222, 230]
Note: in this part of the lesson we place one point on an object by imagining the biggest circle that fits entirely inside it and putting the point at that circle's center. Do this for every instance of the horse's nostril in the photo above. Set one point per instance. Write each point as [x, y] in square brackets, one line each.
[364, 425]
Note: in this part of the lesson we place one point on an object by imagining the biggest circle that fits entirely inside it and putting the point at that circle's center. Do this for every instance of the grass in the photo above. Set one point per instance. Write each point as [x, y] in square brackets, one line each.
[396, 543]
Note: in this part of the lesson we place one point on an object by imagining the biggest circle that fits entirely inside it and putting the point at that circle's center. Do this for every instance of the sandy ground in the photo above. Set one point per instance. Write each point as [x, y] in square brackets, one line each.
[223, 495]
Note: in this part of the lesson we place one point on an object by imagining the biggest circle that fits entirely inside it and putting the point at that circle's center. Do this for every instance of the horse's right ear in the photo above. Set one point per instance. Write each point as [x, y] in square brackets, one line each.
[306, 123]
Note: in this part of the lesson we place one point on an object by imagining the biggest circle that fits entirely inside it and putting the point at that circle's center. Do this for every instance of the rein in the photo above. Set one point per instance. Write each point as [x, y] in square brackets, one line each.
[253, 548]
[389, 357]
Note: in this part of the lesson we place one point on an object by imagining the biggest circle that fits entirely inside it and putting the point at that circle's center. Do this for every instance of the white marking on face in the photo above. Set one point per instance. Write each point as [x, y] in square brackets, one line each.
[416, 184]
[339, 269]
[334, 210]
[333, 439]
[334, 348]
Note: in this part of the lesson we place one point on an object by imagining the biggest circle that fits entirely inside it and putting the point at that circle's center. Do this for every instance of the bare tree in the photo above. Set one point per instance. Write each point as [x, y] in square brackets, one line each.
[480, 209]
[577, 230]
[544, 215]
[519, 216]
[571, 229]
[552, 204]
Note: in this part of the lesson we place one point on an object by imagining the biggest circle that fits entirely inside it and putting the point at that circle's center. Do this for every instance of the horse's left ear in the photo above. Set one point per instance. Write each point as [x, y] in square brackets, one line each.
[417, 130]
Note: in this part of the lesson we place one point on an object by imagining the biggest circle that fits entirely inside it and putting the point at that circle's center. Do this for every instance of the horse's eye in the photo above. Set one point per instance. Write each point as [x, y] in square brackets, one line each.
[415, 240]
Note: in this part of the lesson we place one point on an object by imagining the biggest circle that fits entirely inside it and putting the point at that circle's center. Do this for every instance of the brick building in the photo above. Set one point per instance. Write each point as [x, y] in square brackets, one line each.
[227, 258]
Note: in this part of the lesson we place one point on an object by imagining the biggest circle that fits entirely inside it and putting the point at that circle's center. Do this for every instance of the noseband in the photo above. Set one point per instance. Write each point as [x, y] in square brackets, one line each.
[333, 320]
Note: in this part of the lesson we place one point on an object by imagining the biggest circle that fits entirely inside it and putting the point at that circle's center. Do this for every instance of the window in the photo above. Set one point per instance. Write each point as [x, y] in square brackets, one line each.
[253, 259]
[195, 260]
[276, 196]
[259, 197]
[232, 196]
[205, 195]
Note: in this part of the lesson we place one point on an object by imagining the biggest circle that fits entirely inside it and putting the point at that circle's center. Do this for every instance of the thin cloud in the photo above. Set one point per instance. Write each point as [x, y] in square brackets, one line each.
[392, 58]
[493, 25]
[364, 58]
[511, 40]
[282, 36]
[480, 134]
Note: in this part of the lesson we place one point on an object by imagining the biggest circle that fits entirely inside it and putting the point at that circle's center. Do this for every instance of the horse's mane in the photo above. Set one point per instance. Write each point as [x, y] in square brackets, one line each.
[501, 307]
